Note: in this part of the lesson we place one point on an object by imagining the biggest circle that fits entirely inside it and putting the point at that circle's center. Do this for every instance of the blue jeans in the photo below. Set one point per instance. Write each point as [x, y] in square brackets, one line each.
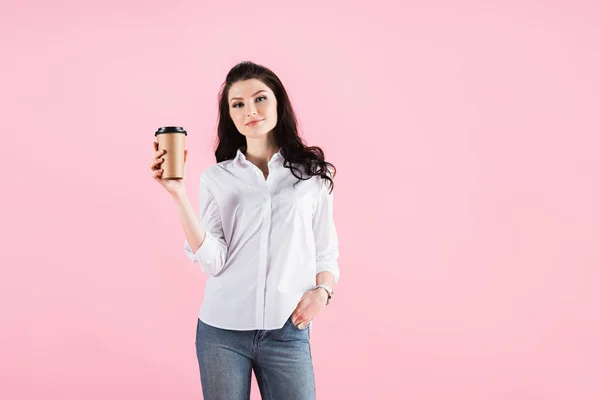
[281, 360]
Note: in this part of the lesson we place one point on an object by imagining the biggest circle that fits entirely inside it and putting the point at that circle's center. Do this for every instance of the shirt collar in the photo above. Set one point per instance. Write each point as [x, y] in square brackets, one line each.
[240, 158]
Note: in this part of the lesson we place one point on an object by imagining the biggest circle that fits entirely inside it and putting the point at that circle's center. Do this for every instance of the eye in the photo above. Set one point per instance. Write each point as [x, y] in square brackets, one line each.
[237, 104]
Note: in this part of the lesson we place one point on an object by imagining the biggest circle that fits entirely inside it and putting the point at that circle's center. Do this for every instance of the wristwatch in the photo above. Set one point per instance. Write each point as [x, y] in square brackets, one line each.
[328, 290]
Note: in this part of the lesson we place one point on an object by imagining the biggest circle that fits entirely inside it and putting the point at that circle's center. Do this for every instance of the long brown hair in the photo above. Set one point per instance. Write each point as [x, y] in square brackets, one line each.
[293, 148]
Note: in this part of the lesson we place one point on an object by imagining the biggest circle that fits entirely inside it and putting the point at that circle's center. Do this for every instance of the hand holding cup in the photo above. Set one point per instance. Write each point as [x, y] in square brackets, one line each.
[168, 164]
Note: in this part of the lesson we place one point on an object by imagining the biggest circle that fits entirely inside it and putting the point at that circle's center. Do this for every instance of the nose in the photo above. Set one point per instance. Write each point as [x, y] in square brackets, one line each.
[251, 110]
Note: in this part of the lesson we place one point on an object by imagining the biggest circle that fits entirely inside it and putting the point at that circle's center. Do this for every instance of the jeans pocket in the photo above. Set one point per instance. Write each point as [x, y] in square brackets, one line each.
[296, 328]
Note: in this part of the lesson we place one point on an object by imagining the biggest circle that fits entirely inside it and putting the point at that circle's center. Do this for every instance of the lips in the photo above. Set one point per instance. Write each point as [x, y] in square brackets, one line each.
[252, 123]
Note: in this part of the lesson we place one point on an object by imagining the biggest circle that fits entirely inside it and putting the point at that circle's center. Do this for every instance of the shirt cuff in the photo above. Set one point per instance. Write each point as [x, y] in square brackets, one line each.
[206, 253]
[329, 266]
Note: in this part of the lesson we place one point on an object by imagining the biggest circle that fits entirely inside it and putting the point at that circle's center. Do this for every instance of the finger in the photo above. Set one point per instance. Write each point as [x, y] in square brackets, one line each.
[159, 153]
[185, 155]
[297, 318]
[303, 322]
[157, 173]
[156, 163]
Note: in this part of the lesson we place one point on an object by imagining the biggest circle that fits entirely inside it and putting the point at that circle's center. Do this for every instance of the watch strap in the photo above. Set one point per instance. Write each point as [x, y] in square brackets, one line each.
[328, 290]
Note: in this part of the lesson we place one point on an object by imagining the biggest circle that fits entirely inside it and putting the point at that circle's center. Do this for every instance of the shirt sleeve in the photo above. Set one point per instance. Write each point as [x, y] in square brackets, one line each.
[212, 252]
[326, 238]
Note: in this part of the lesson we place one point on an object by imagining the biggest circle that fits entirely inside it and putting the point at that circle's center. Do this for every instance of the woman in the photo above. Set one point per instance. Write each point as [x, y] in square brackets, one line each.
[266, 238]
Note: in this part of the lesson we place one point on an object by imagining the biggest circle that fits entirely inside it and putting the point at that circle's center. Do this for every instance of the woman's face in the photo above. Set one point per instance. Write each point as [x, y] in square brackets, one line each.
[252, 100]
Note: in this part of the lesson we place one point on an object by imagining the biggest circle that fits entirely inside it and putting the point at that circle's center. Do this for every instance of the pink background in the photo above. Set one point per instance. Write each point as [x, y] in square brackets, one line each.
[466, 137]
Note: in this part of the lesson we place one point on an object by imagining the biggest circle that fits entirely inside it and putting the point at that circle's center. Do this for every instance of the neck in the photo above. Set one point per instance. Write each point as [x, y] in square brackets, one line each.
[260, 152]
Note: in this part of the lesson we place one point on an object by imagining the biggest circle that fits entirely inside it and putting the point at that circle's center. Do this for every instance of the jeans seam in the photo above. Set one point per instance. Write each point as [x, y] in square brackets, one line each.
[264, 377]
[254, 345]
[311, 360]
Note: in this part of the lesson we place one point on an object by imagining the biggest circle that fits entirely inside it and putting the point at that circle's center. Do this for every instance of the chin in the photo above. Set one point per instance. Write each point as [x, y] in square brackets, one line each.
[257, 133]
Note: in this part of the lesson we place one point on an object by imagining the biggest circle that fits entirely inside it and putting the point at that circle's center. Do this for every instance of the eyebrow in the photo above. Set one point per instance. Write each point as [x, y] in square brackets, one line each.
[239, 98]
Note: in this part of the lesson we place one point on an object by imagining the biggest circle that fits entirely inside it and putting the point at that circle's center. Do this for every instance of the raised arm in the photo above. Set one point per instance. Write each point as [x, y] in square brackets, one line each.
[204, 239]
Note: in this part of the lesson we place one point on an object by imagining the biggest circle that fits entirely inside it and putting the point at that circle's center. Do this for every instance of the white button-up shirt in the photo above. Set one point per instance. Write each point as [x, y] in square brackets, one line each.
[265, 242]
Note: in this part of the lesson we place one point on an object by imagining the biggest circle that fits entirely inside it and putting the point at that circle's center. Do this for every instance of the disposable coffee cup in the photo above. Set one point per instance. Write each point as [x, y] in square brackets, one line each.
[171, 139]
